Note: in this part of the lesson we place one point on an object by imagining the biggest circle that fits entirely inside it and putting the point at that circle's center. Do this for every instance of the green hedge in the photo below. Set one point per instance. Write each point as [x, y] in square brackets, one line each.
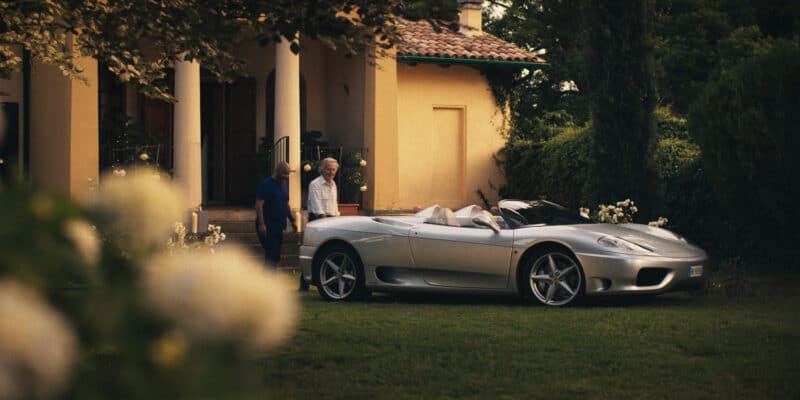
[557, 169]
[746, 123]
[554, 169]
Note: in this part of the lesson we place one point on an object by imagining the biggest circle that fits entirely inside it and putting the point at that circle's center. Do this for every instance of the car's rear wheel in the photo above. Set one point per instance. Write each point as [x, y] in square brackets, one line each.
[555, 277]
[340, 275]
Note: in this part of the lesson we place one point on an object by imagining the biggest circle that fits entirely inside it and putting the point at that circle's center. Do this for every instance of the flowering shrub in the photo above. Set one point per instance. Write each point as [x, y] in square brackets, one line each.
[620, 213]
[183, 239]
[93, 305]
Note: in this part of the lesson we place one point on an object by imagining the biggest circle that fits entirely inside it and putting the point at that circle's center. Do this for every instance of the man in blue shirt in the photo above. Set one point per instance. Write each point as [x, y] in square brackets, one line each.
[272, 210]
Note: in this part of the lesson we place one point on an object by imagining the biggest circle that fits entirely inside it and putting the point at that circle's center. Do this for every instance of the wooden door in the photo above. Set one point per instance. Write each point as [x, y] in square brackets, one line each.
[240, 141]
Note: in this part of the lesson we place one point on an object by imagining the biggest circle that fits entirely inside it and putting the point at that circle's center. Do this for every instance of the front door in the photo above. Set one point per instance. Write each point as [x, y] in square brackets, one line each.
[464, 257]
[240, 142]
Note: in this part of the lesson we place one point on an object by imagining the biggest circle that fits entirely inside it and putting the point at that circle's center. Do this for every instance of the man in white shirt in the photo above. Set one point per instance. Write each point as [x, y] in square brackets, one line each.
[322, 193]
[322, 197]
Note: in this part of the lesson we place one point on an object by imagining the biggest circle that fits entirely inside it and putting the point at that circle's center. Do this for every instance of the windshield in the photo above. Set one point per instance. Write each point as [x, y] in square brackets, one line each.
[519, 213]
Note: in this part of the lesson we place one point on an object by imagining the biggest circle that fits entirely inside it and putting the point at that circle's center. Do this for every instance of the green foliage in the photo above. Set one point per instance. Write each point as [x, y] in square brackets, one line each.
[623, 99]
[697, 39]
[555, 169]
[351, 177]
[559, 27]
[746, 125]
[94, 282]
[209, 32]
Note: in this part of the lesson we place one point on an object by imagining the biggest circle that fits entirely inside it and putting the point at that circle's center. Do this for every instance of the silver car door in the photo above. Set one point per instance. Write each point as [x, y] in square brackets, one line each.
[466, 257]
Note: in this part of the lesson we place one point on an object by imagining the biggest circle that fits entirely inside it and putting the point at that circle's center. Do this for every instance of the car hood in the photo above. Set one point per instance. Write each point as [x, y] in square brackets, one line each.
[658, 240]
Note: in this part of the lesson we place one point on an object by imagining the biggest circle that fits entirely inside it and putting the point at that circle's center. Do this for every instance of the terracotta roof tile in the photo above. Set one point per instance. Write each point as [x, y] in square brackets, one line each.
[419, 39]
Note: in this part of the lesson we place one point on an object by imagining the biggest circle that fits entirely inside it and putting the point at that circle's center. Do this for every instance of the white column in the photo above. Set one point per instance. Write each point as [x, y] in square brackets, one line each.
[186, 134]
[287, 111]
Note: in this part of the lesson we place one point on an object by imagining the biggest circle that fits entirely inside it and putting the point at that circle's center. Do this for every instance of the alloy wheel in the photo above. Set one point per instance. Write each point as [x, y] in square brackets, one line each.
[555, 279]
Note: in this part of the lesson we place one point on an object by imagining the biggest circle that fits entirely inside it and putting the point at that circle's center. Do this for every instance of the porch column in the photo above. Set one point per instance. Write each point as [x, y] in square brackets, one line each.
[187, 132]
[287, 111]
[381, 135]
[64, 152]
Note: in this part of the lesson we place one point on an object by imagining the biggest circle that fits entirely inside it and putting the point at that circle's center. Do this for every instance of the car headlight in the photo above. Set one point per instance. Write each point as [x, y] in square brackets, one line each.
[622, 245]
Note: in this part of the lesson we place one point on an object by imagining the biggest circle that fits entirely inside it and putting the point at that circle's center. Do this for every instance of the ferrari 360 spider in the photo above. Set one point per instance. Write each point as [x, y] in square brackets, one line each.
[532, 249]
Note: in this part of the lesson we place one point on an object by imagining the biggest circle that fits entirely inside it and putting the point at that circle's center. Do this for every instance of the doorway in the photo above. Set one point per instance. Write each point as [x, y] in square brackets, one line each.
[228, 126]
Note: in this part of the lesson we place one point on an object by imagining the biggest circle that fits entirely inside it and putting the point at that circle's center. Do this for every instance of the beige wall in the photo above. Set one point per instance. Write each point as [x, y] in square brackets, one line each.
[64, 129]
[435, 104]
[344, 98]
[260, 62]
[313, 67]
[381, 134]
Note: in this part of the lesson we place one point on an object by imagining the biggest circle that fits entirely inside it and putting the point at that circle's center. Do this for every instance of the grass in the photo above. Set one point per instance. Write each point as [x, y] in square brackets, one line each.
[677, 345]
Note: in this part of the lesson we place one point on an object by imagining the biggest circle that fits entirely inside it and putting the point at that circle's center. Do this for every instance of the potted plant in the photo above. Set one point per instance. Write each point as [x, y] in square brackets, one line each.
[351, 182]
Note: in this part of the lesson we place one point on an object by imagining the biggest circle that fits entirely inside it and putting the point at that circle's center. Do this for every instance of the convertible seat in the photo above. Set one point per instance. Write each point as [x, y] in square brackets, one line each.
[468, 211]
[442, 216]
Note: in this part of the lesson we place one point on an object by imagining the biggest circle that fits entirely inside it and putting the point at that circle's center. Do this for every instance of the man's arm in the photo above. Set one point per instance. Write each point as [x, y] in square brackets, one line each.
[262, 228]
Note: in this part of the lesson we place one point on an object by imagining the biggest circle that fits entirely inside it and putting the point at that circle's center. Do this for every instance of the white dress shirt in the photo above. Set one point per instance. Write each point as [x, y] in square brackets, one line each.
[322, 197]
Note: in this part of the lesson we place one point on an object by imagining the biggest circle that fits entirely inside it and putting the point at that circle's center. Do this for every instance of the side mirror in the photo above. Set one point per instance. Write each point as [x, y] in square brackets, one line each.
[485, 220]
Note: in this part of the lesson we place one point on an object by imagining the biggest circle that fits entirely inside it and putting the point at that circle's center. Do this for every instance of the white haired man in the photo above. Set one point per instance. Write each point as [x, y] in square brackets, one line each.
[323, 196]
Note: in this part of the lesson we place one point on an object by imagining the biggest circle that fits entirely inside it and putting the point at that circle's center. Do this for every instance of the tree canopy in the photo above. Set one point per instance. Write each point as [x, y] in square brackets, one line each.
[117, 32]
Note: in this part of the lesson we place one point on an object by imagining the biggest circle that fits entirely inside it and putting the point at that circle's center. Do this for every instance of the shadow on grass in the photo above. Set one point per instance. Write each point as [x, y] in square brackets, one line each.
[667, 299]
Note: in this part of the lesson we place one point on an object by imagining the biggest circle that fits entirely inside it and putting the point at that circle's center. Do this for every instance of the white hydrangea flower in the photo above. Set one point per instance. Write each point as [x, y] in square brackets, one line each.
[37, 348]
[223, 295]
[84, 237]
[140, 211]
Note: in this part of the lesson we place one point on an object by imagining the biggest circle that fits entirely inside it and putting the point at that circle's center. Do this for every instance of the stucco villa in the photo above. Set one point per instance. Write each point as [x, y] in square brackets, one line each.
[423, 118]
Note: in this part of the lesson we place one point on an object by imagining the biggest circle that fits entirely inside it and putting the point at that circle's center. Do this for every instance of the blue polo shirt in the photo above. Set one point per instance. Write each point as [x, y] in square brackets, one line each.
[275, 194]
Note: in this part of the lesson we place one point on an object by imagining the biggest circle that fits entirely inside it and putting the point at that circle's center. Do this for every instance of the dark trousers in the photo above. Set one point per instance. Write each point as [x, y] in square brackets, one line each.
[271, 243]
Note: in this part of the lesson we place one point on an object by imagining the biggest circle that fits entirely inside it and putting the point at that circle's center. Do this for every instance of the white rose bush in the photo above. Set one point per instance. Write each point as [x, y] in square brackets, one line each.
[621, 212]
[109, 297]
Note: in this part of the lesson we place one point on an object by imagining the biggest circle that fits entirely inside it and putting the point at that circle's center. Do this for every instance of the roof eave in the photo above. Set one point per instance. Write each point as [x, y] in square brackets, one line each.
[470, 61]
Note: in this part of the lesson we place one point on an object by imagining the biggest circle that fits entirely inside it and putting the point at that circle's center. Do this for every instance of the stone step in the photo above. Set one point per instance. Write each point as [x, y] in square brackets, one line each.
[249, 238]
[234, 226]
[239, 228]
[231, 214]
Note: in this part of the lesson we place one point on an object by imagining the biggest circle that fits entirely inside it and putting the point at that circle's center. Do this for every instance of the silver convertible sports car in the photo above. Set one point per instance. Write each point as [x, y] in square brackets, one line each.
[533, 248]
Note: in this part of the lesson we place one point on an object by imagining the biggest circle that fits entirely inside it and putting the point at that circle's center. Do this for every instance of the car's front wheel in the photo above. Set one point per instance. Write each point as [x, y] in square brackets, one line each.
[554, 277]
[339, 274]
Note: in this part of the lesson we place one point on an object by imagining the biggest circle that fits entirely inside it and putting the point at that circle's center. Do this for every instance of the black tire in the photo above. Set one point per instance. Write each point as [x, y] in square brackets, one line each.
[553, 276]
[339, 274]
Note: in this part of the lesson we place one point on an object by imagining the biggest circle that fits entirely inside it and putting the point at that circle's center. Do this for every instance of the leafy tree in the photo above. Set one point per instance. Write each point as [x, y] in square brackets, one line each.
[698, 39]
[623, 98]
[746, 125]
[538, 98]
[115, 32]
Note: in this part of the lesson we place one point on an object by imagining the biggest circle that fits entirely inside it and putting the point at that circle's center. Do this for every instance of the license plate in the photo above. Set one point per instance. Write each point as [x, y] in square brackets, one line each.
[695, 271]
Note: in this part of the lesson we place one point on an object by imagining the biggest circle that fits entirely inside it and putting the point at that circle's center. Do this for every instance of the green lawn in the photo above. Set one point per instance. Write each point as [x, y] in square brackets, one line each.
[677, 345]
